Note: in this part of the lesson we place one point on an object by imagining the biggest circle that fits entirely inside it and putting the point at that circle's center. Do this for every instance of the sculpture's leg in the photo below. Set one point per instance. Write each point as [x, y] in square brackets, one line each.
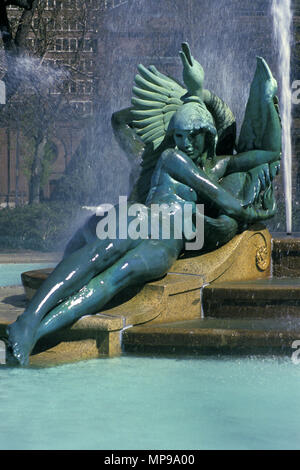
[151, 259]
[219, 231]
[84, 235]
[71, 274]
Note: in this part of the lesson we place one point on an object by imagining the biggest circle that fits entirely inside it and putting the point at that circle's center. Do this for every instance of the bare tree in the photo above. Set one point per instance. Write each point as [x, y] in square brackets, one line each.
[42, 90]
[14, 42]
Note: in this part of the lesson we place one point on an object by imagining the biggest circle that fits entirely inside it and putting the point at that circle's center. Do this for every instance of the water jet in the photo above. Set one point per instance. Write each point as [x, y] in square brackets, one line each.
[282, 21]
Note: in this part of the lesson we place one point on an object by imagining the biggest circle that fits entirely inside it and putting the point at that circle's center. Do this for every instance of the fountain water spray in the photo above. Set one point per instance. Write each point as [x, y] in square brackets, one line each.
[282, 19]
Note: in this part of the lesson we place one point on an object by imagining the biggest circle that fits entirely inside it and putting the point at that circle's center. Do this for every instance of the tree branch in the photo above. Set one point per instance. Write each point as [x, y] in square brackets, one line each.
[13, 46]
[27, 4]
[8, 43]
[25, 25]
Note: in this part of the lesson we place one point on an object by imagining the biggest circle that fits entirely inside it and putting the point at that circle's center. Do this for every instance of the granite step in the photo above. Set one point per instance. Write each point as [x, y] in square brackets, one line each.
[215, 336]
[264, 298]
[286, 256]
[91, 335]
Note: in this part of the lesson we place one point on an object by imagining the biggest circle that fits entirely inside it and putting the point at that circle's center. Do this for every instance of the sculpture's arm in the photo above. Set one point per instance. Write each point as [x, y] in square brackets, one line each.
[126, 135]
[193, 73]
[193, 77]
[183, 169]
[245, 161]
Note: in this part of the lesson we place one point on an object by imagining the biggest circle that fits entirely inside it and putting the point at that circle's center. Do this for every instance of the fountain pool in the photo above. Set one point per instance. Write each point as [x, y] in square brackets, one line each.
[10, 273]
[152, 403]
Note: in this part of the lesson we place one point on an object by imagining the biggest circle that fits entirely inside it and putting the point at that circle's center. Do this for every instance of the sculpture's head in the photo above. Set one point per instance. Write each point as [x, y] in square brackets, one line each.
[193, 129]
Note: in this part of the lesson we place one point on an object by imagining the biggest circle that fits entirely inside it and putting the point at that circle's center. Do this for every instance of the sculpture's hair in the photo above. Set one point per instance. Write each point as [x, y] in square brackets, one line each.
[193, 115]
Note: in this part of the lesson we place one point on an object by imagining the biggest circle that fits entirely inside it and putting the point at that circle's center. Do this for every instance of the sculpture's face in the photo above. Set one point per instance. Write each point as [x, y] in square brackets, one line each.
[190, 142]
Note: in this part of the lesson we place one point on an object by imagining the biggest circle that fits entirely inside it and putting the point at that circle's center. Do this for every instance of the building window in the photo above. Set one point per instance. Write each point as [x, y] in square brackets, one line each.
[72, 87]
[73, 45]
[58, 45]
[66, 45]
[82, 107]
[50, 4]
[90, 45]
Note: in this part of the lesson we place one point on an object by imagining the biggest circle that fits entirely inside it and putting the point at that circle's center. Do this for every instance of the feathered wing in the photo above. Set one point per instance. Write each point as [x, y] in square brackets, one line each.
[156, 98]
[263, 88]
[141, 129]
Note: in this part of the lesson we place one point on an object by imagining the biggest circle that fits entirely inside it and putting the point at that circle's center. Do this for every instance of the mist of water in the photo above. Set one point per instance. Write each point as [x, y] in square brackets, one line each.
[282, 19]
[151, 32]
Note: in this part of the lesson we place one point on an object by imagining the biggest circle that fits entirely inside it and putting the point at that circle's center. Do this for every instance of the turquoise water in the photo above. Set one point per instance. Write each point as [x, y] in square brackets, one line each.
[152, 403]
[149, 402]
[10, 274]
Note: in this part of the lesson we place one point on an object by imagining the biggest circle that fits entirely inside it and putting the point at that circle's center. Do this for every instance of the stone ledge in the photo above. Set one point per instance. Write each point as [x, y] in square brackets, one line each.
[213, 337]
[176, 297]
[286, 257]
[100, 334]
[270, 298]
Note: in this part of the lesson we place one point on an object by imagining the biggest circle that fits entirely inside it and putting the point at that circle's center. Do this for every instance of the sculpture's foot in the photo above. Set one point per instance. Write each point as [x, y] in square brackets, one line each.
[10, 359]
[19, 342]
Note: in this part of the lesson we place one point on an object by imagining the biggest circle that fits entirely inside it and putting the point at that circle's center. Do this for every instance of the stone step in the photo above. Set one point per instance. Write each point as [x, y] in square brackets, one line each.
[264, 298]
[286, 256]
[215, 336]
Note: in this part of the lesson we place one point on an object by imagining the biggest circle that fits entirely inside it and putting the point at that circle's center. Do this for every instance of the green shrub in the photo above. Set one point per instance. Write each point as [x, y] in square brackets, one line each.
[43, 227]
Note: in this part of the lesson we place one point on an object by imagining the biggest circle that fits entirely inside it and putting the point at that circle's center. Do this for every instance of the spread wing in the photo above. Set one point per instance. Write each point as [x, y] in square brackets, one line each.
[262, 90]
[141, 129]
[157, 98]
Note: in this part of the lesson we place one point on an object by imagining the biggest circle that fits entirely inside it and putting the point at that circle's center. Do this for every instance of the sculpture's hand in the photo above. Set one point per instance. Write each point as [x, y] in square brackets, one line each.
[263, 175]
[271, 90]
[251, 214]
[274, 169]
[268, 201]
[193, 74]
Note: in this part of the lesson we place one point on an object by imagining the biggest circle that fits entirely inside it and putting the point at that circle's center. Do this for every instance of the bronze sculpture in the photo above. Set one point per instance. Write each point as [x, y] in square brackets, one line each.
[189, 158]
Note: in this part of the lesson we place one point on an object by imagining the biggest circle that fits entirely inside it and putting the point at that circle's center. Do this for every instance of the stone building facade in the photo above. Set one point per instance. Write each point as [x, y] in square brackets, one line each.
[71, 34]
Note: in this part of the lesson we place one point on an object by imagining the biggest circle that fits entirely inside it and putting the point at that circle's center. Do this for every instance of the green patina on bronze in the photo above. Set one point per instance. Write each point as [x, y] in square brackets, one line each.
[186, 139]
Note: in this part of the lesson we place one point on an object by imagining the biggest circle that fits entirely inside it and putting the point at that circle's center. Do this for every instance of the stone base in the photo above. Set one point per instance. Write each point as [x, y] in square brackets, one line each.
[176, 297]
[245, 257]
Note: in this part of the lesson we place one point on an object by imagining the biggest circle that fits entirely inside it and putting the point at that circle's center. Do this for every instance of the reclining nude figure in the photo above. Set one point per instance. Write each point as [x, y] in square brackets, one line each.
[236, 190]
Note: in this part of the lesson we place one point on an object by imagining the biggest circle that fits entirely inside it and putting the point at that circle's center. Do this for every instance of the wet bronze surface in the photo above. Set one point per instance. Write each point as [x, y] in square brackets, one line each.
[245, 316]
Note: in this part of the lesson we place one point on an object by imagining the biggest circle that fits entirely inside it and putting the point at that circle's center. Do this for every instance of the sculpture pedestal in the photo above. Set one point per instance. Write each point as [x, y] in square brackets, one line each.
[176, 297]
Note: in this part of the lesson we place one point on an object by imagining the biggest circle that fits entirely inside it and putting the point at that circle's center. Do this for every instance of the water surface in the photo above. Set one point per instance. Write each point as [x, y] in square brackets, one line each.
[152, 403]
